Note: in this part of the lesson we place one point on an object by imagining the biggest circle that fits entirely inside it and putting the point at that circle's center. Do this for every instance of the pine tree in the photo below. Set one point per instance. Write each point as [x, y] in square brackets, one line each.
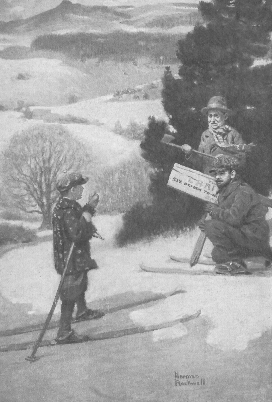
[216, 58]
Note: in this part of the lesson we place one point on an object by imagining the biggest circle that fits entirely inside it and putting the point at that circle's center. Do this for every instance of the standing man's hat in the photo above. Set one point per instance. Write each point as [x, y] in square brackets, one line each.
[217, 103]
[69, 180]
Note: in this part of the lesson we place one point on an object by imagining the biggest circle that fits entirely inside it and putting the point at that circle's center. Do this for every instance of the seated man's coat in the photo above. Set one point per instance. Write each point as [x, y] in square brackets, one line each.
[238, 227]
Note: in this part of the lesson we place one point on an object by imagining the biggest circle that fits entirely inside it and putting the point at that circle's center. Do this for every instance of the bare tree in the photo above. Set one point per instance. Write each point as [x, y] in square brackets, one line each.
[32, 163]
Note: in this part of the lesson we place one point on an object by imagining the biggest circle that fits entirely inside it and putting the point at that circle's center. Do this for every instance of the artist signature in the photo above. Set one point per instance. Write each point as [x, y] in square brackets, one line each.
[185, 380]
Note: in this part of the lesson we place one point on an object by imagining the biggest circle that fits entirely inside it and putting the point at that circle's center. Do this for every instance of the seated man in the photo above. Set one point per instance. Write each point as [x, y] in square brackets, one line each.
[238, 227]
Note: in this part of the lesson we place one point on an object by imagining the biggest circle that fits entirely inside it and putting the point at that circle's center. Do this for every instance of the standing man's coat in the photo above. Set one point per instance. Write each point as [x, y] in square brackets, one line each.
[209, 146]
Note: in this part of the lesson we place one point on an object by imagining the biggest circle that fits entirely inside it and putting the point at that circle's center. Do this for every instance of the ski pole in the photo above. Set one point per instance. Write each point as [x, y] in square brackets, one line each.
[98, 236]
[198, 249]
[199, 245]
[32, 357]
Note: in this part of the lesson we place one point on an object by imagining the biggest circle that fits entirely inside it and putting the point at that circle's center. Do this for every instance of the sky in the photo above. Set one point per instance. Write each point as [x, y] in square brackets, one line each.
[14, 9]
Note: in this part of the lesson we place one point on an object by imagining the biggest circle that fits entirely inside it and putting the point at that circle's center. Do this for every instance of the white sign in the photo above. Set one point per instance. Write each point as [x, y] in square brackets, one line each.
[192, 182]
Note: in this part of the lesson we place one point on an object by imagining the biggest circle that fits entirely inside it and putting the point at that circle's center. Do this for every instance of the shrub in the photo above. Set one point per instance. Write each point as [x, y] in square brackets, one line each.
[134, 131]
[146, 221]
[10, 215]
[73, 99]
[123, 185]
[23, 76]
[15, 52]
[64, 119]
[28, 114]
[15, 234]
[23, 105]
[118, 129]
[170, 210]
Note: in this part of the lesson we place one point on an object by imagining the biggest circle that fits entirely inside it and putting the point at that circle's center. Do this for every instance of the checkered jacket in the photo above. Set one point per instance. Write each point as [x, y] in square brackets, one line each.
[70, 226]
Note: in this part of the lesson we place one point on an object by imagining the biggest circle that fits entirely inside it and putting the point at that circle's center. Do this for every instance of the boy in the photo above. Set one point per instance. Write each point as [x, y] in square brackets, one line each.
[73, 224]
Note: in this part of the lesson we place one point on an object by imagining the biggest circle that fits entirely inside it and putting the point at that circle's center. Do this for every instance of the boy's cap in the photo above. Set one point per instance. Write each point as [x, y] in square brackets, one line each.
[69, 180]
[225, 162]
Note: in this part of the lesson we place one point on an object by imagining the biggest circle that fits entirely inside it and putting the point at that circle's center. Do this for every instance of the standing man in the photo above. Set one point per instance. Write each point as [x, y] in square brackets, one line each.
[237, 228]
[73, 224]
[219, 138]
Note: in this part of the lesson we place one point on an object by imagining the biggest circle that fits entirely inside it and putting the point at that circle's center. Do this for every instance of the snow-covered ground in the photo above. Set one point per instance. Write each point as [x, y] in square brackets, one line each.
[109, 112]
[104, 146]
[50, 82]
[239, 308]
[45, 82]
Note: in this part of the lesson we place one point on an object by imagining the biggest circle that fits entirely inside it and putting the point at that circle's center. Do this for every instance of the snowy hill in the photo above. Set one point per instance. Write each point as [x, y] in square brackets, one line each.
[74, 17]
[64, 16]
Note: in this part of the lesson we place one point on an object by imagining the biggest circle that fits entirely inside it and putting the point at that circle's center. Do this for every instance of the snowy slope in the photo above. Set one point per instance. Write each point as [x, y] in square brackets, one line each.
[238, 314]
[108, 112]
[47, 82]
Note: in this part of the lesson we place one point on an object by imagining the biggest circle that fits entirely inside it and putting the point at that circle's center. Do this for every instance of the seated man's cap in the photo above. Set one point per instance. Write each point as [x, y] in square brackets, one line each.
[69, 180]
[217, 103]
[225, 162]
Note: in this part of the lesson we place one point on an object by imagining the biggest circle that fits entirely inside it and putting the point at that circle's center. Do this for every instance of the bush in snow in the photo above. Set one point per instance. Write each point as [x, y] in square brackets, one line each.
[15, 234]
[122, 185]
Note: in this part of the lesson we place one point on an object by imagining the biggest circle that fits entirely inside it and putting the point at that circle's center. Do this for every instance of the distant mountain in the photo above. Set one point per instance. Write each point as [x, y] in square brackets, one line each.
[70, 17]
[19, 9]
[16, 9]
[66, 16]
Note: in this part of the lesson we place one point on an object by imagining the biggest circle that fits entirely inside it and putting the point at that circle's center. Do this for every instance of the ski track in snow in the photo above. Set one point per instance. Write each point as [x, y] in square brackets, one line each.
[239, 308]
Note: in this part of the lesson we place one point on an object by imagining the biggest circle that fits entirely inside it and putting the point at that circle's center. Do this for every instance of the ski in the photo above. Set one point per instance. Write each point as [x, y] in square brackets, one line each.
[170, 269]
[167, 269]
[111, 334]
[187, 260]
[110, 310]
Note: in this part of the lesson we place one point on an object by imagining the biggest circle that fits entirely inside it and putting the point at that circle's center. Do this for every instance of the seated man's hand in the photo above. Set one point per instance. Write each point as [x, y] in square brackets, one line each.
[201, 224]
[187, 149]
[209, 207]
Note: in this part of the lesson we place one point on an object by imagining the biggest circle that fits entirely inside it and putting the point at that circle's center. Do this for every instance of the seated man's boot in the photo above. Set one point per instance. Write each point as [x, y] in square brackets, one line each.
[267, 254]
[232, 268]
